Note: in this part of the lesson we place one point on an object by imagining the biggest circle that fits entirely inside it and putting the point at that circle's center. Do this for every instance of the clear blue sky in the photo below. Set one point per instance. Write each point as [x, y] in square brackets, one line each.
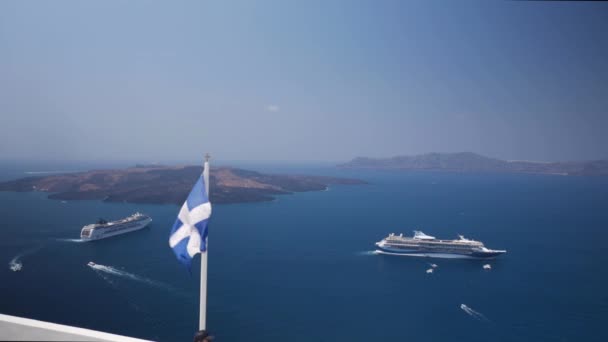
[302, 80]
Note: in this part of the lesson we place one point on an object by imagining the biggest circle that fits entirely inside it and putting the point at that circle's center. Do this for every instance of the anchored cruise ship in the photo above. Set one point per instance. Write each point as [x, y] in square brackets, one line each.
[103, 229]
[428, 246]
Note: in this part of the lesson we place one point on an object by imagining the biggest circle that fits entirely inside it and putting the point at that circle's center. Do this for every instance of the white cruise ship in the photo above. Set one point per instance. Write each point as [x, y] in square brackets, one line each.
[428, 246]
[104, 229]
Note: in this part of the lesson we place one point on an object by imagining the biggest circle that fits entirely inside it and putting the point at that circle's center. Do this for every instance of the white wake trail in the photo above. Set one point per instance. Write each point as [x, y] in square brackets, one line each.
[106, 278]
[71, 240]
[114, 286]
[475, 314]
[124, 274]
[121, 273]
[16, 264]
[368, 253]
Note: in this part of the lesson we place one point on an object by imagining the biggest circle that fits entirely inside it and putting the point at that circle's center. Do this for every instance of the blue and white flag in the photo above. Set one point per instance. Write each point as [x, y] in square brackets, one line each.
[189, 232]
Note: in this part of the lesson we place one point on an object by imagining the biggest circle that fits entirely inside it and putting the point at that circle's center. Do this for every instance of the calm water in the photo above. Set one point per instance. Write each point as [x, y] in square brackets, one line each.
[298, 269]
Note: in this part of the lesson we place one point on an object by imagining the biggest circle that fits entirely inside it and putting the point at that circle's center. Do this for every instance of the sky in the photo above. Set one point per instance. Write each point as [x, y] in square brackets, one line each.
[302, 80]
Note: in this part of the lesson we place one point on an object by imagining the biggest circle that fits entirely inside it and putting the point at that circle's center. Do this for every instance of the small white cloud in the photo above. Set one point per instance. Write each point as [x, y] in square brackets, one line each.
[272, 108]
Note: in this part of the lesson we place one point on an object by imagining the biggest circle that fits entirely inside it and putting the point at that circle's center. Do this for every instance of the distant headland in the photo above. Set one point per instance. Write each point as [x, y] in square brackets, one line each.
[170, 184]
[472, 162]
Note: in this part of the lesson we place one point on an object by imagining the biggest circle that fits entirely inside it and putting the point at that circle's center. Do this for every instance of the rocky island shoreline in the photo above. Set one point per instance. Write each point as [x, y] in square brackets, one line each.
[171, 184]
[472, 162]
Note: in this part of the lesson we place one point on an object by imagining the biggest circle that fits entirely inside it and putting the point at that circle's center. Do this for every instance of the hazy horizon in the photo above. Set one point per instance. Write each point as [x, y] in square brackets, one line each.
[219, 161]
[297, 82]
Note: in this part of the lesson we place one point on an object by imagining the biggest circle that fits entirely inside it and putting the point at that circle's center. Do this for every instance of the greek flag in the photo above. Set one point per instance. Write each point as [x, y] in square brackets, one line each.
[189, 232]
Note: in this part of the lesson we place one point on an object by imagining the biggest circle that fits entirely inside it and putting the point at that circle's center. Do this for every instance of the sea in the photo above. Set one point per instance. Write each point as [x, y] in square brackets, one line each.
[302, 267]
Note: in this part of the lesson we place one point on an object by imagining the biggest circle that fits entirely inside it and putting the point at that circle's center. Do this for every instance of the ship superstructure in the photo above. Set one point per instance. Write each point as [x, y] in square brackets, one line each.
[428, 246]
[104, 229]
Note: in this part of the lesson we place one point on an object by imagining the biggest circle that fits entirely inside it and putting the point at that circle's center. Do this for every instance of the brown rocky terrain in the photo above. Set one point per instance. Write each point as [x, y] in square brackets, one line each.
[170, 184]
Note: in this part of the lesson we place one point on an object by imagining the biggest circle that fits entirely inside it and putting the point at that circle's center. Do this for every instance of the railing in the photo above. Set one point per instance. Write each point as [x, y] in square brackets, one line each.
[14, 328]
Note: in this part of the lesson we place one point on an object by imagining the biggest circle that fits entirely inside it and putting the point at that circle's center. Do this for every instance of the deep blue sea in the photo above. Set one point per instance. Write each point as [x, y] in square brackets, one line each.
[299, 268]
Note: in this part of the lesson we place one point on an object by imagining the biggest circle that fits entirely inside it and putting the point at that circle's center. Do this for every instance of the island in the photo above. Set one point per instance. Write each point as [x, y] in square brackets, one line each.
[171, 184]
[472, 162]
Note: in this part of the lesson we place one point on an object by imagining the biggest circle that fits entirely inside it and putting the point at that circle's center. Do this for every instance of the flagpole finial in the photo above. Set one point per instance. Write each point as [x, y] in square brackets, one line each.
[207, 157]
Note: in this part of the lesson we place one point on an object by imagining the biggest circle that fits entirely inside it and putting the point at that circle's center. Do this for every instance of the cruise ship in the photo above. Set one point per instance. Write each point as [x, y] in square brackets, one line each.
[428, 246]
[104, 229]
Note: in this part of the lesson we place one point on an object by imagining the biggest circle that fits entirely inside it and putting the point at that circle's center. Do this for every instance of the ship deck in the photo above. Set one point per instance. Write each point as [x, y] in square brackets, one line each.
[119, 222]
[437, 242]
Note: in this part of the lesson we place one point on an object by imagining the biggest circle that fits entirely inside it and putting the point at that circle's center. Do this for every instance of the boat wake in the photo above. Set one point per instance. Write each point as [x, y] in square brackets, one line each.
[368, 253]
[120, 273]
[71, 240]
[475, 314]
[114, 286]
[106, 278]
[16, 264]
[124, 274]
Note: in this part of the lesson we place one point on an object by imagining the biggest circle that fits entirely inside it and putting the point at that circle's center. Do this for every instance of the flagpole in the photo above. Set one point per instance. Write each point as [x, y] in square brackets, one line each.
[203, 294]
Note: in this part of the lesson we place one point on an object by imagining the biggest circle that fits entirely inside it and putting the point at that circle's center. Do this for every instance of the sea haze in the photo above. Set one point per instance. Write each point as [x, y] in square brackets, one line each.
[300, 268]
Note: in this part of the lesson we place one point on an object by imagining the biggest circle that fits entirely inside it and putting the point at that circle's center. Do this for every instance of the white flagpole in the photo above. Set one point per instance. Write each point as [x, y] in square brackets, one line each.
[203, 303]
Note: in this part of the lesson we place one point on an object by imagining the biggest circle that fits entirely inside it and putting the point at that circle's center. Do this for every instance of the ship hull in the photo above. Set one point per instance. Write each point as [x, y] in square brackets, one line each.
[106, 234]
[437, 254]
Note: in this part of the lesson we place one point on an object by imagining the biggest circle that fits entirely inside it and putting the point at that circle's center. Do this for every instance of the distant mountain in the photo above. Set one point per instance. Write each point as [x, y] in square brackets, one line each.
[166, 184]
[472, 162]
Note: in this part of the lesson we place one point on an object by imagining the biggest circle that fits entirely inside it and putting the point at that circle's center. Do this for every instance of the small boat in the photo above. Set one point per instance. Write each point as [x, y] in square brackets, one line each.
[16, 267]
[91, 264]
[487, 267]
[434, 265]
[429, 271]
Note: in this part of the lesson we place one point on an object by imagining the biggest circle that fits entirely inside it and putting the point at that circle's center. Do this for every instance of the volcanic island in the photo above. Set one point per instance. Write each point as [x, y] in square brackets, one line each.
[171, 184]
